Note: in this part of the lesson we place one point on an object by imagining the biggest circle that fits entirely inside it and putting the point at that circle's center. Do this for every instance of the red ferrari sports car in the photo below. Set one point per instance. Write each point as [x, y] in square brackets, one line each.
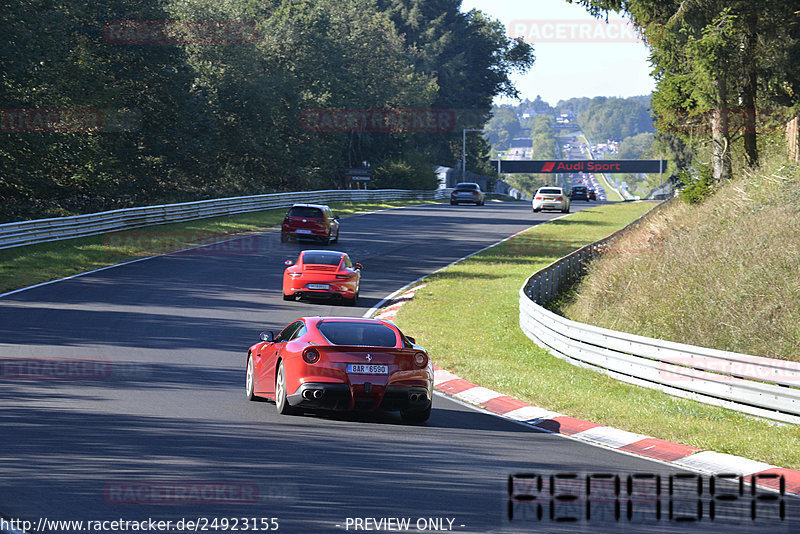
[322, 273]
[341, 363]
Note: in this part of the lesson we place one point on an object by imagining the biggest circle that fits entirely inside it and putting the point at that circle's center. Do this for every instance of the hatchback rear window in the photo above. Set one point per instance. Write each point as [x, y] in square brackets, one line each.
[550, 191]
[321, 258]
[303, 211]
[358, 334]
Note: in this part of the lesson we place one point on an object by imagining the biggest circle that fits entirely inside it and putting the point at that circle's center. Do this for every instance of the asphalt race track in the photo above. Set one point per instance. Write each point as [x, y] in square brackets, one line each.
[163, 430]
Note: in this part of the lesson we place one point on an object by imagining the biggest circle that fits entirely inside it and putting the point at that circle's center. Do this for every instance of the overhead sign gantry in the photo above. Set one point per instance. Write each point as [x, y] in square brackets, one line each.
[558, 166]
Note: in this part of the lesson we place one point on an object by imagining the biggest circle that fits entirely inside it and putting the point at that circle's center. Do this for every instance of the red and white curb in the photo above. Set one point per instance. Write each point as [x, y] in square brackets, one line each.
[389, 312]
[693, 458]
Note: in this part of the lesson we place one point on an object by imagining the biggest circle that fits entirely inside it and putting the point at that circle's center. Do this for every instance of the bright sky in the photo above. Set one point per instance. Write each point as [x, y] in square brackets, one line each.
[576, 55]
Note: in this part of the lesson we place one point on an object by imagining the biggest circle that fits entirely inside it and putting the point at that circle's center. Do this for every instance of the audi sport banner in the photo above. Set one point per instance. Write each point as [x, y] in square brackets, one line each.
[552, 166]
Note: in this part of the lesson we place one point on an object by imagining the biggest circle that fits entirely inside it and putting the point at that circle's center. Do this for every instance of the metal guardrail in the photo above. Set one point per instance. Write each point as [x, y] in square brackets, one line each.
[42, 230]
[763, 387]
[663, 191]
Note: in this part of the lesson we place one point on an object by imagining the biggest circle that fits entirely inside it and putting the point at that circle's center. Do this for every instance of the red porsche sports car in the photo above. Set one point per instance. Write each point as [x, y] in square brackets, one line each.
[322, 273]
[341, 363]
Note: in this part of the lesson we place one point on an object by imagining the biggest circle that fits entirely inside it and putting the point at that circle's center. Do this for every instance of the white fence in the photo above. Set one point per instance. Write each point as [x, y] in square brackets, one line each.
[41, 230]
[764, 387]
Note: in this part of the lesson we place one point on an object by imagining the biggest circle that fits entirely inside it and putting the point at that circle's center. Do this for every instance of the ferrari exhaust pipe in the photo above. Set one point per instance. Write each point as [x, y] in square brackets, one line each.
[317, 394]
[308, 394]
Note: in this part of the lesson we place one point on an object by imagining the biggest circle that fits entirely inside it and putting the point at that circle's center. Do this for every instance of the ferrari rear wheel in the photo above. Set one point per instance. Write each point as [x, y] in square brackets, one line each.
[249, 386]
[417, 416]
[281, 402]
[353, 301]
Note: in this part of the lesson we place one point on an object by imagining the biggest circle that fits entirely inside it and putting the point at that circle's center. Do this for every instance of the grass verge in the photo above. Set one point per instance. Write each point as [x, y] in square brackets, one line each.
[34, 264]
[486, 346]
[720, 274]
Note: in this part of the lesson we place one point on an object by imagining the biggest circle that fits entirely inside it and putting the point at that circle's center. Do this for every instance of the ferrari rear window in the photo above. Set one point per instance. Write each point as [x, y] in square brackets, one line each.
[321, 258]
[358, 333]
[305, 211]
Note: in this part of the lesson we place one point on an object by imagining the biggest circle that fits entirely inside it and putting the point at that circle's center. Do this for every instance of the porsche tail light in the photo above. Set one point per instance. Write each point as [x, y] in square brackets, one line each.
[311, 355]
[295, 275]
[420, 359]
[344, 276]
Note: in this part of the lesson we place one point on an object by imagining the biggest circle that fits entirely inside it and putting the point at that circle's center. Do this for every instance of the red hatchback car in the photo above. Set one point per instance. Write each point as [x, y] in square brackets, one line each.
[341, 363]
[310, 221]
[322, 273]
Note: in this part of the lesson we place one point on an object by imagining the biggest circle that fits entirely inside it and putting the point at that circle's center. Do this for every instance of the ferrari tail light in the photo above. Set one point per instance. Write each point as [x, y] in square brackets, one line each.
[420, 359]
[311, 355]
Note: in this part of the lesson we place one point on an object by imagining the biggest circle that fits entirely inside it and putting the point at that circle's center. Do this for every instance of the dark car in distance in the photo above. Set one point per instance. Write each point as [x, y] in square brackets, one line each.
[579, 192]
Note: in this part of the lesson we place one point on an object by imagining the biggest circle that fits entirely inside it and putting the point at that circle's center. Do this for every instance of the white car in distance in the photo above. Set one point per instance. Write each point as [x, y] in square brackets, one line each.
[550, 198]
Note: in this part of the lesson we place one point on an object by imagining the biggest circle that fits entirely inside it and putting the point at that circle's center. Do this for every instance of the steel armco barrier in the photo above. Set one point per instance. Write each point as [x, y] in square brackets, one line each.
[763, 387]
[42, 230]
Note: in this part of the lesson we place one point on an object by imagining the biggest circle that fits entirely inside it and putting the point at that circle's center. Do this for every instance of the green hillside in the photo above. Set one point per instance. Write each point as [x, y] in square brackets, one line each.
[721, 274]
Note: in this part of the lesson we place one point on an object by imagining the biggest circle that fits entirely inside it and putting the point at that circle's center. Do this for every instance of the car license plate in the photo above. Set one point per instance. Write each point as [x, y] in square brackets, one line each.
[318, 286]
[367, 369]
[303, 231]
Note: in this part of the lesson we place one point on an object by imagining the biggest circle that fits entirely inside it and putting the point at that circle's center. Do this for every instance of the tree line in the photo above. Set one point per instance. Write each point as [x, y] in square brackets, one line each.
[129, 102]
[726, 72]
[603, 118]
